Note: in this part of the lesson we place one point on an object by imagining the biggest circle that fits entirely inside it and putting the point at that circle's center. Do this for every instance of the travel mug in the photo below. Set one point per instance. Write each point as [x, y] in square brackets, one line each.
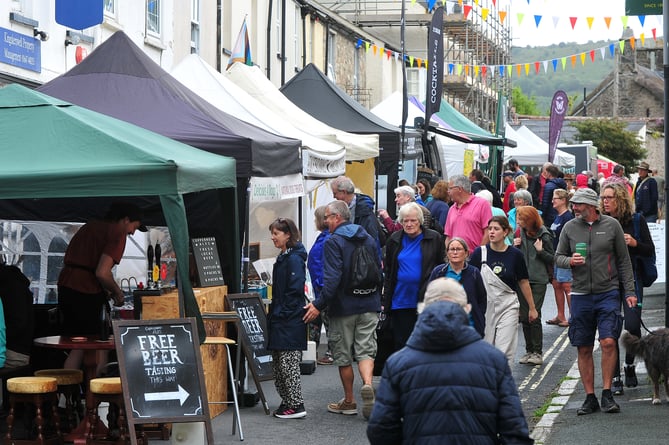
[582, 249]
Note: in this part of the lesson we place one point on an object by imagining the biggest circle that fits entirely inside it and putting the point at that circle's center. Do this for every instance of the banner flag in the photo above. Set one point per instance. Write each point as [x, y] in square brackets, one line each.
[435, 55]
[242, 49]
[559, 108]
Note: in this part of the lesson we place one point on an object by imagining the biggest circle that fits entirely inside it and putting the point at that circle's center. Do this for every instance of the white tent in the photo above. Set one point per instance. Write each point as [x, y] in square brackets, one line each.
[249, 78]
[321, 157]
[451, 151]
[532, 150]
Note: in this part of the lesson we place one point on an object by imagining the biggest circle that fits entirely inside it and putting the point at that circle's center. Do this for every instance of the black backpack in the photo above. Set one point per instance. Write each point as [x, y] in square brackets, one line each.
[365, 276]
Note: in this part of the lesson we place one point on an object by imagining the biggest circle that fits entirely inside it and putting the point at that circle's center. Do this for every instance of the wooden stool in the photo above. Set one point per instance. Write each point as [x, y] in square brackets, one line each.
[108, 389]
[69, 385]
[34, 391]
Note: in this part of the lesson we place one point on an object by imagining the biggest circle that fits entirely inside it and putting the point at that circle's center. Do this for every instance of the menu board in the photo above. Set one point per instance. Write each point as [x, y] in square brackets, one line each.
[161, 372]
[207, 261]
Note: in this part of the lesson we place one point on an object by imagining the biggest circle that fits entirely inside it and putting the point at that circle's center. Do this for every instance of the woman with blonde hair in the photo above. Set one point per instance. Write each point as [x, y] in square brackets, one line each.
[616, 201]
[536, 243]
[561, 276]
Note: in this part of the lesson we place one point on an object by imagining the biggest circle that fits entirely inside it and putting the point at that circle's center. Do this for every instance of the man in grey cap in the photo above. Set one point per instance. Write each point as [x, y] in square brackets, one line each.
[645, 194]
[593, 246]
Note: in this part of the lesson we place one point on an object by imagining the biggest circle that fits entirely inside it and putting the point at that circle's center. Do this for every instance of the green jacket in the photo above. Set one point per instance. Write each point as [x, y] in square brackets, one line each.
[539, 264]
[607, 263]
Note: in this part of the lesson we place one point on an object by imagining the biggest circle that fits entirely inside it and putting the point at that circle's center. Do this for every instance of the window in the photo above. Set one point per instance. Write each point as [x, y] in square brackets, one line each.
[153, 17]
[296, 38]
[194, 26]
[331, 56]
[110, 7]
[416, 78]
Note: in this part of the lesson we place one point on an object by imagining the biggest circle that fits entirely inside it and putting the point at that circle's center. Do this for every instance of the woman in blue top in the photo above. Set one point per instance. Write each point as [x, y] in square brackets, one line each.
[315, 267]
[468, 276]
[561, 277]
[411, 254]
[287, 336]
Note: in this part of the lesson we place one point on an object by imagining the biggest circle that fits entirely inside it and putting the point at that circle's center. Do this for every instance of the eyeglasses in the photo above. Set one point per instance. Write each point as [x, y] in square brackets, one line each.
[453, 187]
[325, 217]
[456, 249]
[606, 198]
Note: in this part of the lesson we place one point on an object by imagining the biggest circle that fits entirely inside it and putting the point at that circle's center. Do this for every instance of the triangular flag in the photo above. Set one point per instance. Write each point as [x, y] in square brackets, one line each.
[501, 71]
[642, 20]
[607, 20]
[602, 50]
[509, 71]
[573, 60]
[572, 20]
[493, 3]
[654, 30]
[467, 9]
[592, 55]
[590, 20]
[358, 44]
[520, 16]
[476, 71]
[632, 42]
[582, 59]
[367, 45]
[556, 20]
[564, 63]
[374, 49]
[419, 62]
[643, 39]
[476, 2]
[621, 44]
[612, 50]
[466, 70]
[518, 69]
[241, 52]
[484, 70]
[527, 69]
[554, 61]
[624, 20]
[450, 68]
[537, 65]
[545, 63]
[411, 59]
[502, 16]
[537, 19]
[459, 65]
[381, 51]
[484, 14]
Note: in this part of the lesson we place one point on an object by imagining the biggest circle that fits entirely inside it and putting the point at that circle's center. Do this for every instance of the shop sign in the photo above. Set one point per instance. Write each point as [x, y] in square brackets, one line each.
[278, 188]
[643, 7]
[319, 166]
[20, 50]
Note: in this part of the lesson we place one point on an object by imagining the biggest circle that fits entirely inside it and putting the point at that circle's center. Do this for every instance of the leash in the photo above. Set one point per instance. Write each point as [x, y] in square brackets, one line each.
[641, 320]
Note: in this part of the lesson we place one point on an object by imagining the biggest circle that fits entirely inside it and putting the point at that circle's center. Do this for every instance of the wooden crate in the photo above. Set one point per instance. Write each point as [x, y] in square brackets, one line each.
[214, 360]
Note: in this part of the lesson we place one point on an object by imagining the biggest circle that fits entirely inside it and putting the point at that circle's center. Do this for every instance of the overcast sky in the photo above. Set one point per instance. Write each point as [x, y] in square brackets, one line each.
[547, 33]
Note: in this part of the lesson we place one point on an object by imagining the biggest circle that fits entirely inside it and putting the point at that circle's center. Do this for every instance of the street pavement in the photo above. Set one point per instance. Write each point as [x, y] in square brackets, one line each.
[554, 385]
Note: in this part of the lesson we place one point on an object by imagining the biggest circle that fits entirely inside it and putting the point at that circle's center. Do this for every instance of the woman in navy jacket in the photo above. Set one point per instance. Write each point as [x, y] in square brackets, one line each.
[287, 335]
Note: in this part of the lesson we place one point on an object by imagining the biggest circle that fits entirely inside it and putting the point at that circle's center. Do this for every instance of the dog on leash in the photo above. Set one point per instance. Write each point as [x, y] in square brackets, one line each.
[654, 349]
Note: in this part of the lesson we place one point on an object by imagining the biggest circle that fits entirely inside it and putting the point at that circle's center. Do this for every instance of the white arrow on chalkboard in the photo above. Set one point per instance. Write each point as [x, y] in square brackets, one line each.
[180, 395]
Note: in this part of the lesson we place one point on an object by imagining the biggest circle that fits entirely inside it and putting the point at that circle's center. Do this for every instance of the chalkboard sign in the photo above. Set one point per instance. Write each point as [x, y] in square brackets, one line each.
[161, 372]
[208, 264]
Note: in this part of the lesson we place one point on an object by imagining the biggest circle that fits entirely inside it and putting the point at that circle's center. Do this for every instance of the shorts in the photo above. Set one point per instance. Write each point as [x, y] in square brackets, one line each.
[357, 331]
[562, 275]
[594, 312]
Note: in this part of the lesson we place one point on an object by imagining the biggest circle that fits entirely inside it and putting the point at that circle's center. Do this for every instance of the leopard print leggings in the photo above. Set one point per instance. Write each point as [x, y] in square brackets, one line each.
[287, 380]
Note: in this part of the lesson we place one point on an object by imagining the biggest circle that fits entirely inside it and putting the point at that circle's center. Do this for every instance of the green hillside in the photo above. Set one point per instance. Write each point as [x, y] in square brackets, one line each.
[572, 80]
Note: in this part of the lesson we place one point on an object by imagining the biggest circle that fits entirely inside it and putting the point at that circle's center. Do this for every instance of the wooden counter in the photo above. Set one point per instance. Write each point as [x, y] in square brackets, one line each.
[214, 360]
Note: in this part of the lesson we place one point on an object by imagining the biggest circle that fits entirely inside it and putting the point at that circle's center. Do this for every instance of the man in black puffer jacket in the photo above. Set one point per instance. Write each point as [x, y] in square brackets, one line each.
[447, 385]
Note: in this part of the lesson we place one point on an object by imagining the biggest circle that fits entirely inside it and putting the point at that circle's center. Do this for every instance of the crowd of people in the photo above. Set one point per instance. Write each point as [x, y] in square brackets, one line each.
[463, 266]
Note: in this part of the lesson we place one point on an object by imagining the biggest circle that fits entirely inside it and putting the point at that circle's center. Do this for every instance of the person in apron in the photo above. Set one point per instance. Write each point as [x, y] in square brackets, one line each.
[504, 271]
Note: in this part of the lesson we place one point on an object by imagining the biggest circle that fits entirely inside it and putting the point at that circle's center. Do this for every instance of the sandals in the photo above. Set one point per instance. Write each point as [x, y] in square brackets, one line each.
[557, 322]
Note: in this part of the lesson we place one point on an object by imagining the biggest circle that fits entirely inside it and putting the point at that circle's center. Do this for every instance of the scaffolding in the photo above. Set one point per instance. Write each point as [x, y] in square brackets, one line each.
[468, 42]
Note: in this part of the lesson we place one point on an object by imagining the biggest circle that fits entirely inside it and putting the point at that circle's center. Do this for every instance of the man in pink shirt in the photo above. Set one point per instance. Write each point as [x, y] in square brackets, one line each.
[469, 216]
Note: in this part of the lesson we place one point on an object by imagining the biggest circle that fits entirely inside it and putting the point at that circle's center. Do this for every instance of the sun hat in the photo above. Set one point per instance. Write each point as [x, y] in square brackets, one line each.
[643, 166]
[585, 196]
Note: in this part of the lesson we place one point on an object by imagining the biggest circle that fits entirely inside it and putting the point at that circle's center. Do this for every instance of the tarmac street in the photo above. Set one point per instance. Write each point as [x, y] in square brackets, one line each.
[550, 395]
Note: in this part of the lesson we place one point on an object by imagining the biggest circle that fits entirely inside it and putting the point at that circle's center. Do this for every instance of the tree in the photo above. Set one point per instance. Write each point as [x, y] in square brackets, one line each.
[612, 140]
[524, 105]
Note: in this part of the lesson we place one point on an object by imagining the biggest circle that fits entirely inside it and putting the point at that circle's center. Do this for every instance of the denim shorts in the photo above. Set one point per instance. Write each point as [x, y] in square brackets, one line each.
[592, 312]
[357, 331]
[562, 275]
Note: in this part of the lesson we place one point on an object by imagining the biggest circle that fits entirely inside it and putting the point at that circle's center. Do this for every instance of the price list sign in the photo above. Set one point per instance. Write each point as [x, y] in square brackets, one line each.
[208, 264]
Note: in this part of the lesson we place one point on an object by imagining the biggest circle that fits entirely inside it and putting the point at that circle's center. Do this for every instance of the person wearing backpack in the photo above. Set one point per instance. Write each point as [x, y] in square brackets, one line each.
[353, 312]
[411, 254]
